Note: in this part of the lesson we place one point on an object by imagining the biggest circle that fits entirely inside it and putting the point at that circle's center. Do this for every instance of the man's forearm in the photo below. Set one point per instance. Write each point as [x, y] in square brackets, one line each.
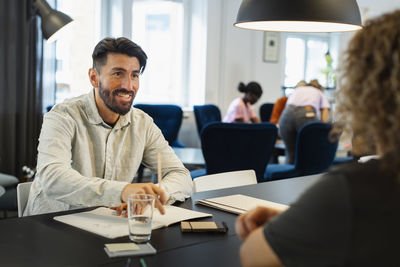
[65, 184]
[178, 184]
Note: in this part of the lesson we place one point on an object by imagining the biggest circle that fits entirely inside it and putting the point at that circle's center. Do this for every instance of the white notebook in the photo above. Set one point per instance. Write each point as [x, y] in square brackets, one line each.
[102, 221]
[239, 204]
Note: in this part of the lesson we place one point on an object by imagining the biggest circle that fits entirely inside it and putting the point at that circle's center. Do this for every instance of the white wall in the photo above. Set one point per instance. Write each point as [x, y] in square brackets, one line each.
[235, 55]
[373, 8]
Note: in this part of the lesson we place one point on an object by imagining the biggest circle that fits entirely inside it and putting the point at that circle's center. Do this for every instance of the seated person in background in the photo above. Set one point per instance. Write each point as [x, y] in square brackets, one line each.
[306, 104]
[280, 104]
[351, 216]
[241, 109]
[91, 146]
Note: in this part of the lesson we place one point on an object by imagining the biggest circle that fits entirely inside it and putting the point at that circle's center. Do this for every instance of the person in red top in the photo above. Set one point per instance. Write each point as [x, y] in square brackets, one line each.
[280, 104]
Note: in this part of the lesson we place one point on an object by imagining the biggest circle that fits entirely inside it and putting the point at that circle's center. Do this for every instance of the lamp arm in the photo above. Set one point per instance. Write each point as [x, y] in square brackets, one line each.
[42, 8]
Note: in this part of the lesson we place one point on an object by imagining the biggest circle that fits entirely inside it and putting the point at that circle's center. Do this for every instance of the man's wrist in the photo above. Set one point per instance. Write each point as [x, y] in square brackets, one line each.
[123, 194]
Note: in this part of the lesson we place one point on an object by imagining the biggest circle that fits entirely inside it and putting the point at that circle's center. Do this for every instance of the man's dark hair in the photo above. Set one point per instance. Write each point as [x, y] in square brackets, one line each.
[119, 45]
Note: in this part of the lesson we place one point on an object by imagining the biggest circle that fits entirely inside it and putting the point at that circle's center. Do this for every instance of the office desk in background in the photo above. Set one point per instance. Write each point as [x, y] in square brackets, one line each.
[41, 241]
[342, 150]
[190, 156]
[2, 190]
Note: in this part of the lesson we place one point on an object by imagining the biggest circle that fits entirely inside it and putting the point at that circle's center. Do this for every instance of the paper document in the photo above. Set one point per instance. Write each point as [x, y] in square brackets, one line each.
[239, 204]
[142, 249]
[102, 221]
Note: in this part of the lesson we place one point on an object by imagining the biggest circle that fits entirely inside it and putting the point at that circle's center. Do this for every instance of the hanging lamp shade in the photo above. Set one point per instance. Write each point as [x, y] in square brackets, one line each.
[52, 20]
[299, 15]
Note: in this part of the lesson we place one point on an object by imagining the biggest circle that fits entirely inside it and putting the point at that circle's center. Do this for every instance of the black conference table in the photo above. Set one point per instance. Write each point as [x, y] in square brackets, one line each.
[41, 241]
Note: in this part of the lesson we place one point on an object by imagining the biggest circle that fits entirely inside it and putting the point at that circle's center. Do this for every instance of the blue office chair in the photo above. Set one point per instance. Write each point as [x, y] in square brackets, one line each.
[48, 108]
[343, 160]
[314, 153]
[266, 111]
[205, 114]
[237, 146]
[168, 118]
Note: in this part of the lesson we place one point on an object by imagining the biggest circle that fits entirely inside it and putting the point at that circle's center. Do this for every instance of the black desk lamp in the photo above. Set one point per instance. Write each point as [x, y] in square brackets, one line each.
[299, 15]
[52, 20]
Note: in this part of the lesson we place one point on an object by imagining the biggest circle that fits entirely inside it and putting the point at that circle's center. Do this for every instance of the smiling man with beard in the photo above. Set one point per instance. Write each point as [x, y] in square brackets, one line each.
[91, 146]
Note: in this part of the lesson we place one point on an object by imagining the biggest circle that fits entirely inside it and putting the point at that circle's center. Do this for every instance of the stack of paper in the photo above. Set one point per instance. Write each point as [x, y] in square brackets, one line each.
[239, 204]
[104, 222]
[128, 249]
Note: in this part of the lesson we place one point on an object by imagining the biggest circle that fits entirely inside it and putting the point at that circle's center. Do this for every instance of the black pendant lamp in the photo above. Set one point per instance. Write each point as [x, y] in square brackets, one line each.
[299, 15]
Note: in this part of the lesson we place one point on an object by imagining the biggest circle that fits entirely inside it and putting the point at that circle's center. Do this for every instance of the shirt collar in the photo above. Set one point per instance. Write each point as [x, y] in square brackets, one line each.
[95, 118]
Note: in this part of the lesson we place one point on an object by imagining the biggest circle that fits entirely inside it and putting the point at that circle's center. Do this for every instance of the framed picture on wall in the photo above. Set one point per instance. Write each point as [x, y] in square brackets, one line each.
[271, 47]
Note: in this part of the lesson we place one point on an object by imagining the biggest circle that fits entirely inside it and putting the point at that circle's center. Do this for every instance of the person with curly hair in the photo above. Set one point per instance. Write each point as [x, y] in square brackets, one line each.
[351, 216]
[241, 109]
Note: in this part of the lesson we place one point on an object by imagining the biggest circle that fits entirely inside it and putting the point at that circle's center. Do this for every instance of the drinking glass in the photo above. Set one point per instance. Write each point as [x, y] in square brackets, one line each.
[140, 214]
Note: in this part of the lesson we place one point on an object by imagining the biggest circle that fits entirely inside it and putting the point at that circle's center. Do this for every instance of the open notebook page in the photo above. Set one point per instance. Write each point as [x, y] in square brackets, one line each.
[239, 204]
[102, 221]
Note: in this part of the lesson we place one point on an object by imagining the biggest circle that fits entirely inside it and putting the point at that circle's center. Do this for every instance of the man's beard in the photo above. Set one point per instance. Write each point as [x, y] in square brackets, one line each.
[108, 98]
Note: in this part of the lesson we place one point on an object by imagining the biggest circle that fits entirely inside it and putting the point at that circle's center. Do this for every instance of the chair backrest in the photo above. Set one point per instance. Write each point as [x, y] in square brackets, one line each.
[167, 117]
[22, 196]
[238, 146]
[224, 180]
[266, 111]
[205, 114]
[2, 190]
[7, 180]
[314, 149]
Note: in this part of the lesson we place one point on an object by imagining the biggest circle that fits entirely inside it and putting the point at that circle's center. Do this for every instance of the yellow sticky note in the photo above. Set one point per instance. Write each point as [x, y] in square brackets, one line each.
[115, 247]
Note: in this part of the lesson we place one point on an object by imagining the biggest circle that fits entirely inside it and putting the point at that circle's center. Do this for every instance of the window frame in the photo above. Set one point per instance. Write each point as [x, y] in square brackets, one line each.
[193, 83]
[327, 37]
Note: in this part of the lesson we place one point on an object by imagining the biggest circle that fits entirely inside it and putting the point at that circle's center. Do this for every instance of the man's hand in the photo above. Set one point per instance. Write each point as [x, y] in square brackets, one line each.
[144, 188]
[253, 219]
[121, 209]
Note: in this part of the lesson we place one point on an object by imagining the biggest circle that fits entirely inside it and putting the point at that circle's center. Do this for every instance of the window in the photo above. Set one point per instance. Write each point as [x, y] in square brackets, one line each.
[171, 32]
[157, 26]
[173, 35]
[74, 48]
[305, 59]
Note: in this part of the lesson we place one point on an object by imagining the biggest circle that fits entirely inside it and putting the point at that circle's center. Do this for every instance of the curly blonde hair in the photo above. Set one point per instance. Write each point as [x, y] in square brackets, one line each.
[369, 95]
